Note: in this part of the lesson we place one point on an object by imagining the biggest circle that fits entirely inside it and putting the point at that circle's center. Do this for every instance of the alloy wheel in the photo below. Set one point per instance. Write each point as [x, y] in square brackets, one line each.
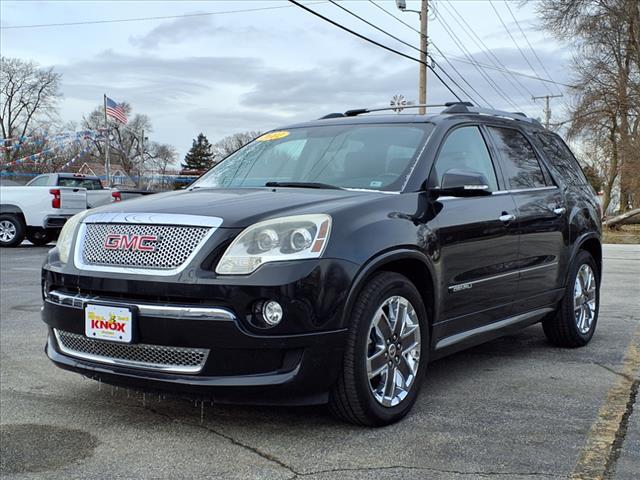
[584, 298]
[393, 351]
[7, 231]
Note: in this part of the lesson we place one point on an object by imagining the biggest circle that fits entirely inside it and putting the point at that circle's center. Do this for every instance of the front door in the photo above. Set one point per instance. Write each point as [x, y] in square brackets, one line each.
[477, 239]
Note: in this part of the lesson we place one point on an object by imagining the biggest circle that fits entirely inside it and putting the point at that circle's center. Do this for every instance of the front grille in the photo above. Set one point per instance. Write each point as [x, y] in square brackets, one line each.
[174, 246]
[149, 357]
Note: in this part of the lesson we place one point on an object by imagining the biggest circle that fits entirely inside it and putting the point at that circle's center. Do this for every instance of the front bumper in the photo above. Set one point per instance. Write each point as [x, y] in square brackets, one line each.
[294, 363]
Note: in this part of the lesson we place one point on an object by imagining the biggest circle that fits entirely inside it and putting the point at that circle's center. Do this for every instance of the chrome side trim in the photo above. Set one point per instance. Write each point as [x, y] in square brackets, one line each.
[459, 286]
[167, 368]
[143, 218]
[522, 318]
[187, 312]
[505, 192]
[154, 219]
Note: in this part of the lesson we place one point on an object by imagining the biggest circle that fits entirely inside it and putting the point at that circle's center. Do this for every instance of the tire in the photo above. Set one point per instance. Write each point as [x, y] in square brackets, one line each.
[39, 236]
[357, 399]
[12, 230]
[574, 323]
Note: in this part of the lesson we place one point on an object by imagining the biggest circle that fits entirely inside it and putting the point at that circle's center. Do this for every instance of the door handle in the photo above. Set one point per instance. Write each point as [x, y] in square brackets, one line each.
[506, 217]
[559, 210]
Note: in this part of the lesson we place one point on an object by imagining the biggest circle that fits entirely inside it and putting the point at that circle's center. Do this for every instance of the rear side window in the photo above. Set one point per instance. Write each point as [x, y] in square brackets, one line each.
[562, 159]
[519, 161]
[465, 149]
[88, 183]
[39, 181]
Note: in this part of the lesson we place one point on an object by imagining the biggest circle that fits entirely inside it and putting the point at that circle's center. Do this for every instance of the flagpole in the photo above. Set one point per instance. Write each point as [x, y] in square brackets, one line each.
[106, 145]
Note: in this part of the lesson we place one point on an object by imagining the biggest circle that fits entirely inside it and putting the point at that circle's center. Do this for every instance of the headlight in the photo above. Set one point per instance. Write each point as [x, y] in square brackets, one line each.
[280, 239]
[65, 239]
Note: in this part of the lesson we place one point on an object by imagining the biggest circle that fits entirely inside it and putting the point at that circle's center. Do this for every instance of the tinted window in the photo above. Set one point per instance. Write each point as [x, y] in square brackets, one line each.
[39, 181]
[465, 149]
[559, 155]
[376, 157]
[88, 183]
[519, 161]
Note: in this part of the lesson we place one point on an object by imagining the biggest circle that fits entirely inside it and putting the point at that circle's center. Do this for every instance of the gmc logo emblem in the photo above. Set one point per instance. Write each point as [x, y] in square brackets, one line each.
[140, 243]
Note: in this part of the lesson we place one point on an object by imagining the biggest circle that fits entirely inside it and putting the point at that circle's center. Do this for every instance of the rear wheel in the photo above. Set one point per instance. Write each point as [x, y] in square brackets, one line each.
[574, 323]
[12, 230]
[386, 353]
[39, 236]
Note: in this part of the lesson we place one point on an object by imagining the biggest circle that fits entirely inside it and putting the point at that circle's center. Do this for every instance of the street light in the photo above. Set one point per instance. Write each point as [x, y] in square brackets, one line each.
[402, 5]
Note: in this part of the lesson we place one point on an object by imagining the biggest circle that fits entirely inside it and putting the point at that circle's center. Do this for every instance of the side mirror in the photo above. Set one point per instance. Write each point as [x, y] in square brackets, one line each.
[463, 183]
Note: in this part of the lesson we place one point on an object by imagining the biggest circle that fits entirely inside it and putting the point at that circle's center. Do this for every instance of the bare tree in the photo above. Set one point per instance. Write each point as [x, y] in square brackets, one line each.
[128, 151]
[230, 144]
[162, 158]
[28, 95]
[606, 68]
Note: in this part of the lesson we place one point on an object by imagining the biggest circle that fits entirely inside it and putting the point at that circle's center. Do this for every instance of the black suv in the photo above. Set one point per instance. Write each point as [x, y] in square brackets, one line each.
[330, 261]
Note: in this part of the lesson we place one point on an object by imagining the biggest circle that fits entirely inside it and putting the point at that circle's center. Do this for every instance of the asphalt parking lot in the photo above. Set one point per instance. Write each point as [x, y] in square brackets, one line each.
[514, 408]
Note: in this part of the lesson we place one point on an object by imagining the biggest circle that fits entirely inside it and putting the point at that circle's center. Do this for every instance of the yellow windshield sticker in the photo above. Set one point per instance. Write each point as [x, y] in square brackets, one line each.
[272, 136]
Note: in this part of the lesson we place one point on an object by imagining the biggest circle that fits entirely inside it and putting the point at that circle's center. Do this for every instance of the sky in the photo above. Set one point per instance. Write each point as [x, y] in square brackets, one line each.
[229, 72]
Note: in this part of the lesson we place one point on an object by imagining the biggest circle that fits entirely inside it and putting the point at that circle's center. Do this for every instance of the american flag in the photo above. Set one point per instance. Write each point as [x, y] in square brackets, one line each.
[115, 110]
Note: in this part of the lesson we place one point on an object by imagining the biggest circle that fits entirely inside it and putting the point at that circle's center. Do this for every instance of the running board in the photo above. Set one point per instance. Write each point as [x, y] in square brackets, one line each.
[523, 319]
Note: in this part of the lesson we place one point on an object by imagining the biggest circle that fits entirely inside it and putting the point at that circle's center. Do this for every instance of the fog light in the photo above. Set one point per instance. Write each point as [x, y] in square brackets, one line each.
[272, 313]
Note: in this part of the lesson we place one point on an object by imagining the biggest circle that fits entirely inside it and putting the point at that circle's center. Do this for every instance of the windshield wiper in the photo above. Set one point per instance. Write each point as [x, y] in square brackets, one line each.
[302, 185]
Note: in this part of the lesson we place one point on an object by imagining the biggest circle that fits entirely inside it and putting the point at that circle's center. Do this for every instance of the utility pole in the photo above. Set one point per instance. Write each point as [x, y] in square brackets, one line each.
[424, 45]
[106, 144]
[547, 107]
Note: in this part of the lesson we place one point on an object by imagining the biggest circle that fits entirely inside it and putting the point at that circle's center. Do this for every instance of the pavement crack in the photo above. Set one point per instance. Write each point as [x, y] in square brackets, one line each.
[620, 374]
[265, 455]
[487, 474]
[621, 434]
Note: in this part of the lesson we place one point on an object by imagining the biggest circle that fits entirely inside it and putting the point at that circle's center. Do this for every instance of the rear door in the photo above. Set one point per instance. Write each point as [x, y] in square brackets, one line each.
[541, 219]
[478, 241]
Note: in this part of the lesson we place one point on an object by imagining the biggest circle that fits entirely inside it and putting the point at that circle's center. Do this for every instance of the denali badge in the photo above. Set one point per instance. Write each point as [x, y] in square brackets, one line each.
[141, 243]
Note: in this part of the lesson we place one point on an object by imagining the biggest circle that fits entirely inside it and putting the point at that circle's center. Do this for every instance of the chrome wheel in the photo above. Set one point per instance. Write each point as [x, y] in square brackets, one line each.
[393, 351]
[7, 231]
[584, 299]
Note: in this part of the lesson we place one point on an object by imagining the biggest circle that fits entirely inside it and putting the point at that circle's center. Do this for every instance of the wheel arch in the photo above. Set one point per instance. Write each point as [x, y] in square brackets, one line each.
[590, 243]
[412, 264]
[8, 208]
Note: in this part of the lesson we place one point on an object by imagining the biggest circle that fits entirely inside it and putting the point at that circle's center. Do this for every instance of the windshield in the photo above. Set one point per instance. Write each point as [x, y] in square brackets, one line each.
[375, 157]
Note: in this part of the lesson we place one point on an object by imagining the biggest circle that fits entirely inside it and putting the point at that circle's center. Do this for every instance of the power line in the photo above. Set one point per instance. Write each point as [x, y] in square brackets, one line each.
[367, 39]
[467, 54]
[415, 48]
[514, 41]
[527, 40]
[512, 79]
[138, 19]
[480, 64]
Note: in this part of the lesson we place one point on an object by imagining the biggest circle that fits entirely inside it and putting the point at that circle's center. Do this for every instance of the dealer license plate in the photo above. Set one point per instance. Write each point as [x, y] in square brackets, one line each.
[105, 322]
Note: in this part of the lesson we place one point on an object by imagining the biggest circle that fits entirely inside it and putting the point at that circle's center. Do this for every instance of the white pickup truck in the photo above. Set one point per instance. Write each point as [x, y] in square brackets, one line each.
[37, 213]
[97, 195]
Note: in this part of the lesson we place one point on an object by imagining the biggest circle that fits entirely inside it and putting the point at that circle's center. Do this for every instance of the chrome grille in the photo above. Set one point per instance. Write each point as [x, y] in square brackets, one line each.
[149, 357]
[175, 245]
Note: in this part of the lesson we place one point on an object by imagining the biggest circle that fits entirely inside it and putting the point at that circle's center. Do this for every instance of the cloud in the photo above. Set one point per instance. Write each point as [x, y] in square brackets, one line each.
[175, 31]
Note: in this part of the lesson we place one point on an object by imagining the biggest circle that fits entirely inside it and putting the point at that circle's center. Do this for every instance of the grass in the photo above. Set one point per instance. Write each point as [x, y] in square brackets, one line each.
[625, 234]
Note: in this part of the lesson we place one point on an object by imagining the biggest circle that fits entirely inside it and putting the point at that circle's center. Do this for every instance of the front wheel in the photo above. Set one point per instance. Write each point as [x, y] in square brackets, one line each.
[574, 323]
[386, 353]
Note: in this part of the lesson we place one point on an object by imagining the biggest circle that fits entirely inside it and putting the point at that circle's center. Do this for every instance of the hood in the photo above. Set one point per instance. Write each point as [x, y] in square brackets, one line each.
[242, 207]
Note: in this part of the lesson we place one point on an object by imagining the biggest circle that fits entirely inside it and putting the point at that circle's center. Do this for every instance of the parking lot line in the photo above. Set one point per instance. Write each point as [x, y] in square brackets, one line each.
[597, 457]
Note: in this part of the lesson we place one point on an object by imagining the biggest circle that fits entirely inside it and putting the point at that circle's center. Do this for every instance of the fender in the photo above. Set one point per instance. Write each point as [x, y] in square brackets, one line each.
[10, 208]
[576, 248]
[375, 263]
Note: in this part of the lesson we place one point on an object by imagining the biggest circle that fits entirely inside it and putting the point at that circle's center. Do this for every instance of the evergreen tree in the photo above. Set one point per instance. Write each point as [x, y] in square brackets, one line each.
[200, 157]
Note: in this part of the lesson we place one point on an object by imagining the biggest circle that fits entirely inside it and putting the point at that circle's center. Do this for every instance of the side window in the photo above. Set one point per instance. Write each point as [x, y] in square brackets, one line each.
[519, 161]
[465, 149]
[562, 159]
[39, 181]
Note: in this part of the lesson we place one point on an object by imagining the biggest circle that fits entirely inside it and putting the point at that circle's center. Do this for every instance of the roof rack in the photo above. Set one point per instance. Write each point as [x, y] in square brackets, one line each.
[451, 107]
[460, 107]
[359, 111]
